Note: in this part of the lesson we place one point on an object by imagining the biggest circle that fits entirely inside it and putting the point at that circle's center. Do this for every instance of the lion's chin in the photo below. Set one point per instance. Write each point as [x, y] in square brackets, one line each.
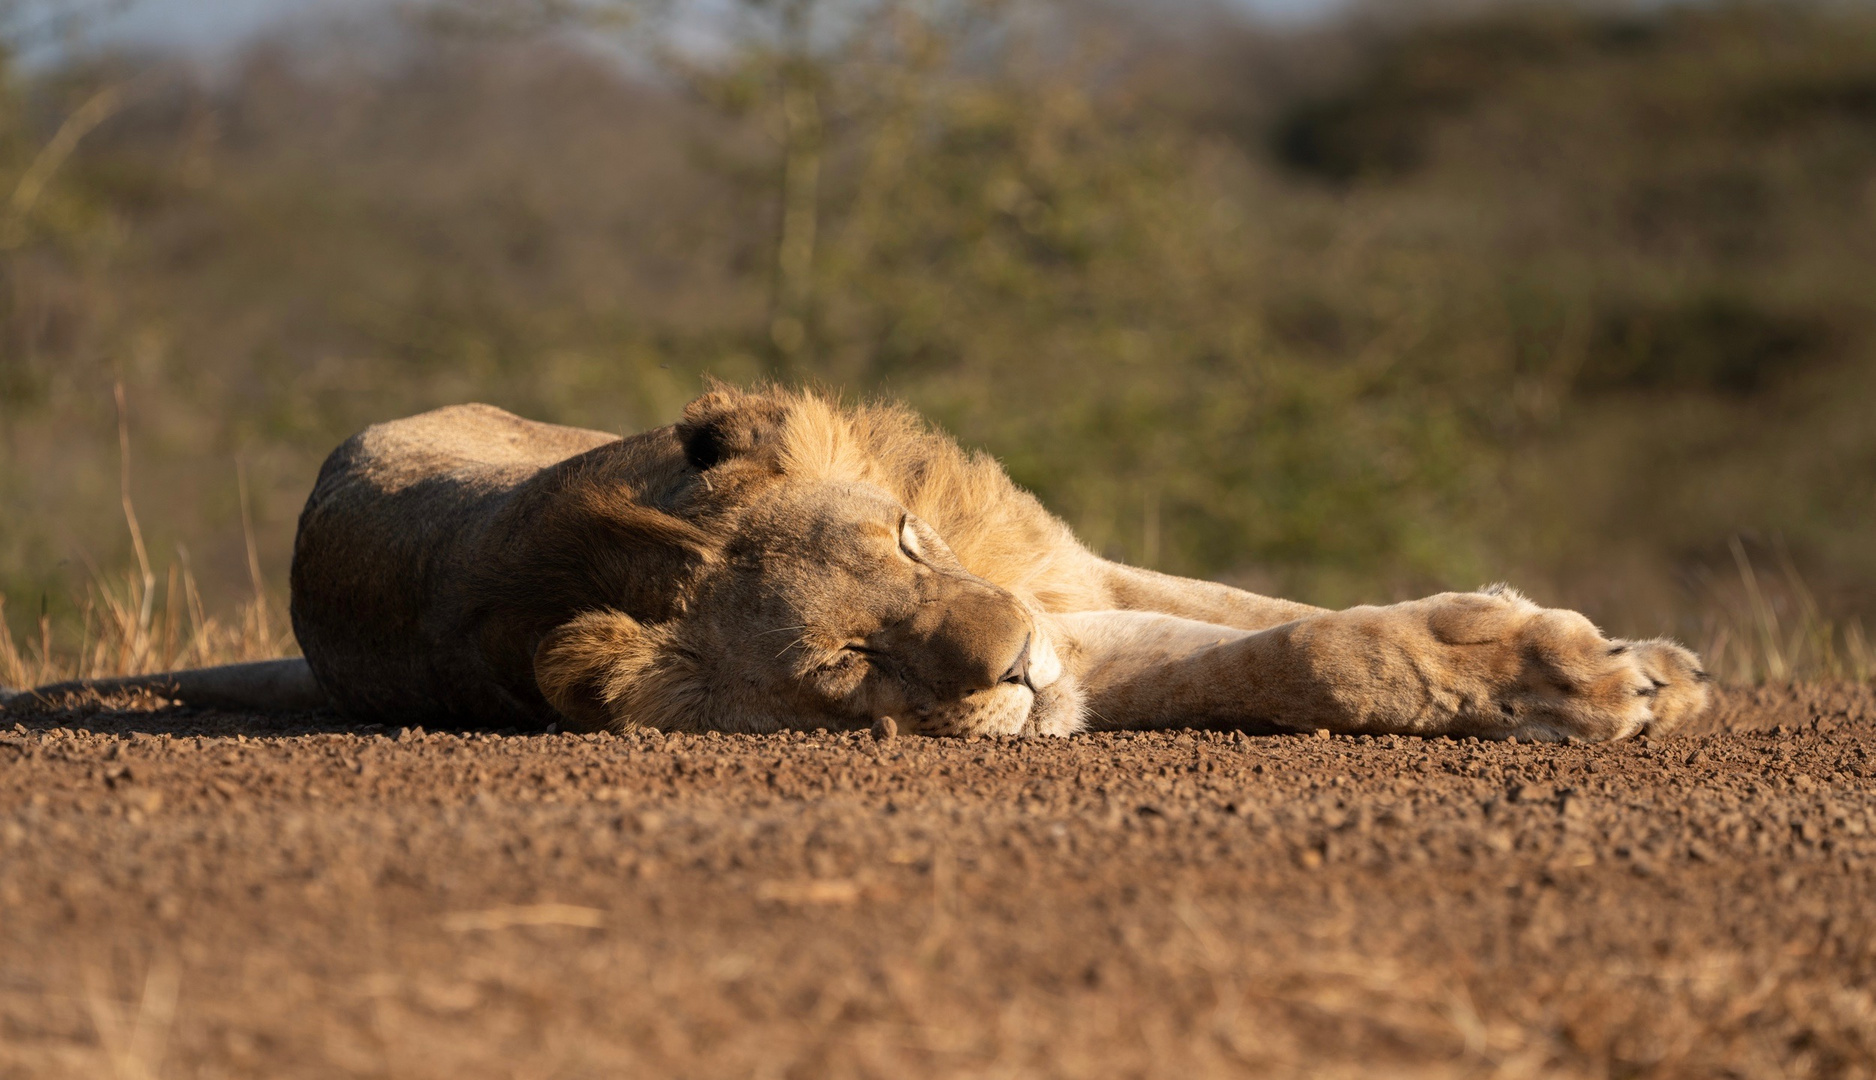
[1008, 710]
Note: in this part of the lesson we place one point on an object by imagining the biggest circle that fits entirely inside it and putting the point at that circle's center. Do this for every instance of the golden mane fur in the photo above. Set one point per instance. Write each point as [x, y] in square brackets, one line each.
[999, 531]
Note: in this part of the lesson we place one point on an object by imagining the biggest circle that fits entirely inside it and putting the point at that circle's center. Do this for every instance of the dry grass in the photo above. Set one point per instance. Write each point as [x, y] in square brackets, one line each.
[128, 624]
[1772, 630]
[126, 627]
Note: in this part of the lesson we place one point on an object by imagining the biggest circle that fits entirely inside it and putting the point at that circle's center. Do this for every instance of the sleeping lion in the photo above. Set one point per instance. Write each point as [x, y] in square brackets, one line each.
[778, 560]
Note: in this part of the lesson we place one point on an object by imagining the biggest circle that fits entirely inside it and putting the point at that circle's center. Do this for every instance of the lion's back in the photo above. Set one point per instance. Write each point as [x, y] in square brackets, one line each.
[474, 444]
[385, 540]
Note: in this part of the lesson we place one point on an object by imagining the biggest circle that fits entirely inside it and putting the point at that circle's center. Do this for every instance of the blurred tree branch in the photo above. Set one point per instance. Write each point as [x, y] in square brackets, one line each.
[97, 108]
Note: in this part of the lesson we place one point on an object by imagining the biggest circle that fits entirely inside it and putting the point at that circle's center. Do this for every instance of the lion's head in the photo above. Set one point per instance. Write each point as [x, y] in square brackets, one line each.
[817, 593]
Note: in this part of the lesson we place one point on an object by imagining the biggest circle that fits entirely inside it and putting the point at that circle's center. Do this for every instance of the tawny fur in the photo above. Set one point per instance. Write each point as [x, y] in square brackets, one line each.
[780, 559]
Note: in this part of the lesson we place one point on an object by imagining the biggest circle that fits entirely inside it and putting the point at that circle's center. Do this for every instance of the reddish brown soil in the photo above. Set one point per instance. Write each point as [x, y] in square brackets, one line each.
[187, 894]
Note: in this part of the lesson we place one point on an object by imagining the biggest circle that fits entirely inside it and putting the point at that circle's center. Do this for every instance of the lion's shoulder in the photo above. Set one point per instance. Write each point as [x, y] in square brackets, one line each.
[462, 439]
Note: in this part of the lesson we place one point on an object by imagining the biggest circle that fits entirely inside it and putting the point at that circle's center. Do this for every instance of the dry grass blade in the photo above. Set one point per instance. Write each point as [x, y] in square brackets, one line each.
[256, 620]
[1764, 617]
[512, 915]
[146, 593]
[1774, 630]
[12, 661]
[837, 891]
[135, 1038]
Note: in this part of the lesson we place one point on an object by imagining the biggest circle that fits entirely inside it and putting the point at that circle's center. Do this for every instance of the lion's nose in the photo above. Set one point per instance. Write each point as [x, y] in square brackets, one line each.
[1018, 671]
[971, 636]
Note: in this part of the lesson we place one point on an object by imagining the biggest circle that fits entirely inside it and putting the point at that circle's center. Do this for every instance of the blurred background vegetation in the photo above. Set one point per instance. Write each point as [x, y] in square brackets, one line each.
[1579, 297]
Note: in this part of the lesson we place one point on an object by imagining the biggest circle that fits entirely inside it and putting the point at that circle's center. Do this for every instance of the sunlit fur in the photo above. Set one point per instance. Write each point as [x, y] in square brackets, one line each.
[1489, 663]
[780, 559]
[998, 530]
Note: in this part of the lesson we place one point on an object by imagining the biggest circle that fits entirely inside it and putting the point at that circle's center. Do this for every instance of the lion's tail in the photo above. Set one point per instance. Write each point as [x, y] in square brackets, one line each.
[259, 685]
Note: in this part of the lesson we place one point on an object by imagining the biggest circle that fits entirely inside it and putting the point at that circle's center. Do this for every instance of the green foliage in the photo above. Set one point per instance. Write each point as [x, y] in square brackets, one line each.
[1720, 343]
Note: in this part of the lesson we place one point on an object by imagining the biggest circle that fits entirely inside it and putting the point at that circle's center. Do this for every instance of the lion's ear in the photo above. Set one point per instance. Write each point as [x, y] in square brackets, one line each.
[728, 423]
[586, 668]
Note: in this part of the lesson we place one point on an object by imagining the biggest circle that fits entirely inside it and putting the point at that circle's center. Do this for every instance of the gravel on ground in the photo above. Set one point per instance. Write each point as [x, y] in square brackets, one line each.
[196, 894]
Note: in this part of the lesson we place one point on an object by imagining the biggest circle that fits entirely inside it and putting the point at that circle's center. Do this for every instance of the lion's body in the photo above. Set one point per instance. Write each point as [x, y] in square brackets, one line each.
[403, 516]
[407, 552]
[777, 560]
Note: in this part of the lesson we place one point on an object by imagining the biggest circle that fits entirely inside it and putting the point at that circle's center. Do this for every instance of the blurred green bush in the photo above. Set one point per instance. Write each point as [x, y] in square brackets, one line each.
[1570, 298]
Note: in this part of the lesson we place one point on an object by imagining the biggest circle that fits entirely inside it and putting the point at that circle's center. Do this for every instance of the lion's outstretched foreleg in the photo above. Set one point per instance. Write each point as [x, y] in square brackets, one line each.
[1488, 664]
[1129, 588]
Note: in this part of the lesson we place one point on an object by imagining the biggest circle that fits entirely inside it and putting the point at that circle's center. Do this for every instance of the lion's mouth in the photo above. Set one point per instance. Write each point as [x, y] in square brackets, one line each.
[864, 683]
[1000, 710]
[1008, 709]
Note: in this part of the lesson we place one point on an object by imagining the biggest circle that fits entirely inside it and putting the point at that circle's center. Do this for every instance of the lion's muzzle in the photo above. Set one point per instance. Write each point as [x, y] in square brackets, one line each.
[968, 636]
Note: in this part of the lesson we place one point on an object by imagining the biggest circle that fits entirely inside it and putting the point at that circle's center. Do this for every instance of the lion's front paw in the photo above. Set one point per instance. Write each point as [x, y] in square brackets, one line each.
[1681, 686]
[1546, 673]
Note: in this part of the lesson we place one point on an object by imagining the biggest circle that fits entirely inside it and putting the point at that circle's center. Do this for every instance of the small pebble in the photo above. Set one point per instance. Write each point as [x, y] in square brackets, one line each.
[885, 728]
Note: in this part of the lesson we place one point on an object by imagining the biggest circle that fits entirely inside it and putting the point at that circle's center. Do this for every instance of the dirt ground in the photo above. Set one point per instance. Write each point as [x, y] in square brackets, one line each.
[192, 894]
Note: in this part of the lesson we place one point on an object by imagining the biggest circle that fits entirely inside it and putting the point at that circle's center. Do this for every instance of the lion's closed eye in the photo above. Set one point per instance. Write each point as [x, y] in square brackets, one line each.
[908, 540]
